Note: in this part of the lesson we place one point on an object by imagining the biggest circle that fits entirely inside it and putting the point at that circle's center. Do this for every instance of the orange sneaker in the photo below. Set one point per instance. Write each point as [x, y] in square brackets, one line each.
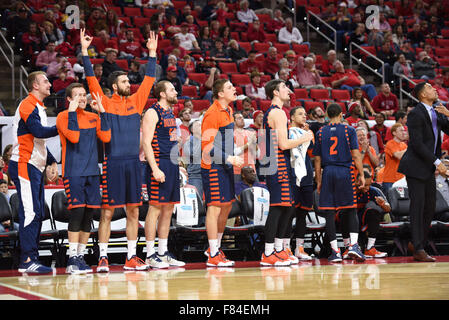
[225, 258]
[301, 254]
[291, 257]
[135, 263]
[374, 253]
[219, 260]
[103, 265]
[274, 259]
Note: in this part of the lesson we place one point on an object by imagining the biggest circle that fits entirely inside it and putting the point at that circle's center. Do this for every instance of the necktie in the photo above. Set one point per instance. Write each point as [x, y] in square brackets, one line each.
[434, 126]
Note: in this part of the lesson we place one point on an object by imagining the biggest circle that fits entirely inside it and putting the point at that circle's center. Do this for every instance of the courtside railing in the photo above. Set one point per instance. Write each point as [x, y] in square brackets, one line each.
[404, 92]
[360, 60]
[10, 60]
[316, 28]
[23, 90]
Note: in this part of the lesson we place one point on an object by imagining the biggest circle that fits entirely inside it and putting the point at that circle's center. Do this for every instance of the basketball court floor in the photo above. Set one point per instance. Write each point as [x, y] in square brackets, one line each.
[395, 278]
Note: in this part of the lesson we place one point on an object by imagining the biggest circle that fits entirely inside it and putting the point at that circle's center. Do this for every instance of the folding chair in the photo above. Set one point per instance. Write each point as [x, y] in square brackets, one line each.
[9, 239]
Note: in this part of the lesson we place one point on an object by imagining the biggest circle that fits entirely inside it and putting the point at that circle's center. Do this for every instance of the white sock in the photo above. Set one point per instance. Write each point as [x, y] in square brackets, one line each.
[299, 242]
[73, 249]
[371, 242]
[150, 248]
[346, 242]
[132, 244]
[286, 243]
[213, 245]
[81, 249]
[354, 238]
[103, 249]
[334, 245]
[269, 248]
[219, 236]
[162, 246]
[278, 244]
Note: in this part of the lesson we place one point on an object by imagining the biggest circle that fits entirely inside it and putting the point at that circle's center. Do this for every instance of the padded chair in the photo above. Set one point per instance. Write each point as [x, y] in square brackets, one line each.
[190, 91]
[319, 94]
[118, 225]
[9, 239]
[228, 67]
[132, 11]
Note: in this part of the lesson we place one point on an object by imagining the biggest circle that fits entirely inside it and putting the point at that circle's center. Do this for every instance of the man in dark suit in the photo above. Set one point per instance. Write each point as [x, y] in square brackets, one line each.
[418, 164]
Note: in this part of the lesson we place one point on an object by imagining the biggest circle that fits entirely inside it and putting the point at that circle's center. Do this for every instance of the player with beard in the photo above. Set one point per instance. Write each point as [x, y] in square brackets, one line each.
[121, 177]
[279, 174]
[217, 146]
[160, 144]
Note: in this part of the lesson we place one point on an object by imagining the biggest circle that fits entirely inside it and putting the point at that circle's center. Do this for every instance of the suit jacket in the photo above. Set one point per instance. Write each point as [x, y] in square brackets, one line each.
[418, 160]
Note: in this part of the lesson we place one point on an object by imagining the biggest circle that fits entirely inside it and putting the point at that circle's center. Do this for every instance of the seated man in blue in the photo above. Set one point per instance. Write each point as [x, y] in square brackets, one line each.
[248, 181]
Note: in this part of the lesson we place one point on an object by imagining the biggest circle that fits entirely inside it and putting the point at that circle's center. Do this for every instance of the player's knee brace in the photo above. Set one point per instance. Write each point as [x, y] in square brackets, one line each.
[86, 224]
[76, 219]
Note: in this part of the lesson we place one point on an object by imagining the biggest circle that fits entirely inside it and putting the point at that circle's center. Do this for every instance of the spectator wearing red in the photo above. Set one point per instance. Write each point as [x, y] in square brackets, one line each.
[443, 94]
[386, 101]
[62, 82]
[32, 40]
[308, 76]
[192, 27]
[95, 19]
[328, 65]
[171, 27]
[113, 22]
[354, 110]
[271, 62]
[446, 77]
[131, 48]
[380, 127]
[176, 44]
[105, 42]
[256, 33]
[256, 90]
[214, 29]
[251, 64]
[221, 12]
[277, 23]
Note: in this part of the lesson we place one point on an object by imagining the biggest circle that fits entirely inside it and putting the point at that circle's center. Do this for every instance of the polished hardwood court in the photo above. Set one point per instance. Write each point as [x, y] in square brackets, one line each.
[395, 278]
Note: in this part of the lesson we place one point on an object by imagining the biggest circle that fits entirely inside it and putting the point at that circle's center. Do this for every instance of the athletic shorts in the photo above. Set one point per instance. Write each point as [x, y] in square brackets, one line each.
[122, 183]
[82, 191]
[218, 185]
[282, 190]
[337, 189]
[304, 197]
[167, 192]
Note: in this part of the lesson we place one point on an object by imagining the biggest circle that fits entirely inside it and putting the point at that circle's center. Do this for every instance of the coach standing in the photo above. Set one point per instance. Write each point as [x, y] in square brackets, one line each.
[418, 164]
[28, 160]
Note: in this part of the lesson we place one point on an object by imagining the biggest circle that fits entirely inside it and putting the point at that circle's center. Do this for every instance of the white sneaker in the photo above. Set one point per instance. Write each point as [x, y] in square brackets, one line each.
[168, 258]
[301, 254]
[154, 262]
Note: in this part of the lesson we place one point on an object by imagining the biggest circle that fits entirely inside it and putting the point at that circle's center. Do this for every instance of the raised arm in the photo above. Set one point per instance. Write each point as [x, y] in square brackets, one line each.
[92, 81]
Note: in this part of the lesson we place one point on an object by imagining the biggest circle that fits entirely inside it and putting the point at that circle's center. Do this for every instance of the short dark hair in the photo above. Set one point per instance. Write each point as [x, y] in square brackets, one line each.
[69, 89]
[217, 87]
[333, 110]
[292, 111]
[399, 115]
[113, 77]
[419, 88]
[161, 86]
[272, 85]
[2, 181]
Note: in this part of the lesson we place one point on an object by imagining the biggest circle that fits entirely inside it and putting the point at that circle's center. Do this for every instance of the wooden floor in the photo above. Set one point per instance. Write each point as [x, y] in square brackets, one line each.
[394, 278]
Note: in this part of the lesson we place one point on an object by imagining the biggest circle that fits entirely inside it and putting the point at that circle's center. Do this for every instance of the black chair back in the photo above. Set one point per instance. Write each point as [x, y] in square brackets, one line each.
[399, 202]
[14, 202]
[59, 207]
[5, 209]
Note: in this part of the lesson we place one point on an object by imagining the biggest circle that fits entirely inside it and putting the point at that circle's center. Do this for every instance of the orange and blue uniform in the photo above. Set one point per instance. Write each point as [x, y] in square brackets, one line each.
[217, 143]
[122, 175]
[278, 171]
[78, 131]
[27, 164]
[166, 151]
[334, 143]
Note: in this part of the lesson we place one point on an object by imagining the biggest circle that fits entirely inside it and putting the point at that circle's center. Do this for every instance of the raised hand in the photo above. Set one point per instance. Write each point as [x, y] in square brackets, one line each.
[96, 103]
[85, 41]
[73, 105]
[152, 43]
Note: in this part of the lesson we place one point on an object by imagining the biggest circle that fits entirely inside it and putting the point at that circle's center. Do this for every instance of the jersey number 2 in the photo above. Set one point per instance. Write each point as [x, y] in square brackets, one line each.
[333, 152]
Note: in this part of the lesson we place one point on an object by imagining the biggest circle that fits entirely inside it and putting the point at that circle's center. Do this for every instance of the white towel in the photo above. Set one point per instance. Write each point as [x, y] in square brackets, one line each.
[261, 205]
[187, 209]
[298, 154]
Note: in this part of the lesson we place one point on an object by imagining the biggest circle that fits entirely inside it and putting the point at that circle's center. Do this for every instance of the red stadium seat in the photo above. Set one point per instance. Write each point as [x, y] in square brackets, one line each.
[443, 43]
[147, 12]
[38, 17]
[117, 10]
[445, 33]
[312, 104]
[122, 63]
[96, 61]
[301, 94]
[198, 77]
[141, 21]
[228, 67]
[261, 47]
[245, 45]
[134, 88]
[444, 62]
[282, 47]
[271, 37]
[319, 94]
[240, 79]
[342, 105]
[313, 9]
[340, 95]
[301, 49]
[200, 105]
[179, 4]
[264, 18]
[190, 91]
[442, 52]
[202, 23]
[264, 105]
[132, 12]
[126, 20]
[235, 35]
[239, 90]
[72, 61]
[265, 78]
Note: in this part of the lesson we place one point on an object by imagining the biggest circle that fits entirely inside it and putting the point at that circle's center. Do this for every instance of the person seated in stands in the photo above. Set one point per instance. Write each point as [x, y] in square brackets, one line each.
[348, 79]
[380, 127]
[62, 82]
[134, 75]
[386, 101]
[132, 48]
[248, 180]
[245, 14]
[384, 26]
[341, 24]
[388, 56]
[424, 66]
[105, 42]
[277, 23]
[176, 44]
[290, 82]
[157, 3]
[109, 64]
[247, 108]
[316, 118]
[98, 73]
[188, 39]
[271, 62]
[372, 205]
[394, 150]
[245, 144]
[308, 76]
[374, 138]
[290, 34]
[255, 90]
[55, 66]
[96, 21]
[235, 52]
[255, 33]
[185, 12]
[365, 105]
[416, 37]
[45, 57]
[219, 53]
[328, 65]
[407, 50]
[251, 64]
[358, 36]
[206, 87]
[328, 13]
[443, 93]
[181, 72]
[172, 76]
[402, 67]
[257, 121]
[204, 40]
[375, 38]
[355, 114]
[191, 152]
